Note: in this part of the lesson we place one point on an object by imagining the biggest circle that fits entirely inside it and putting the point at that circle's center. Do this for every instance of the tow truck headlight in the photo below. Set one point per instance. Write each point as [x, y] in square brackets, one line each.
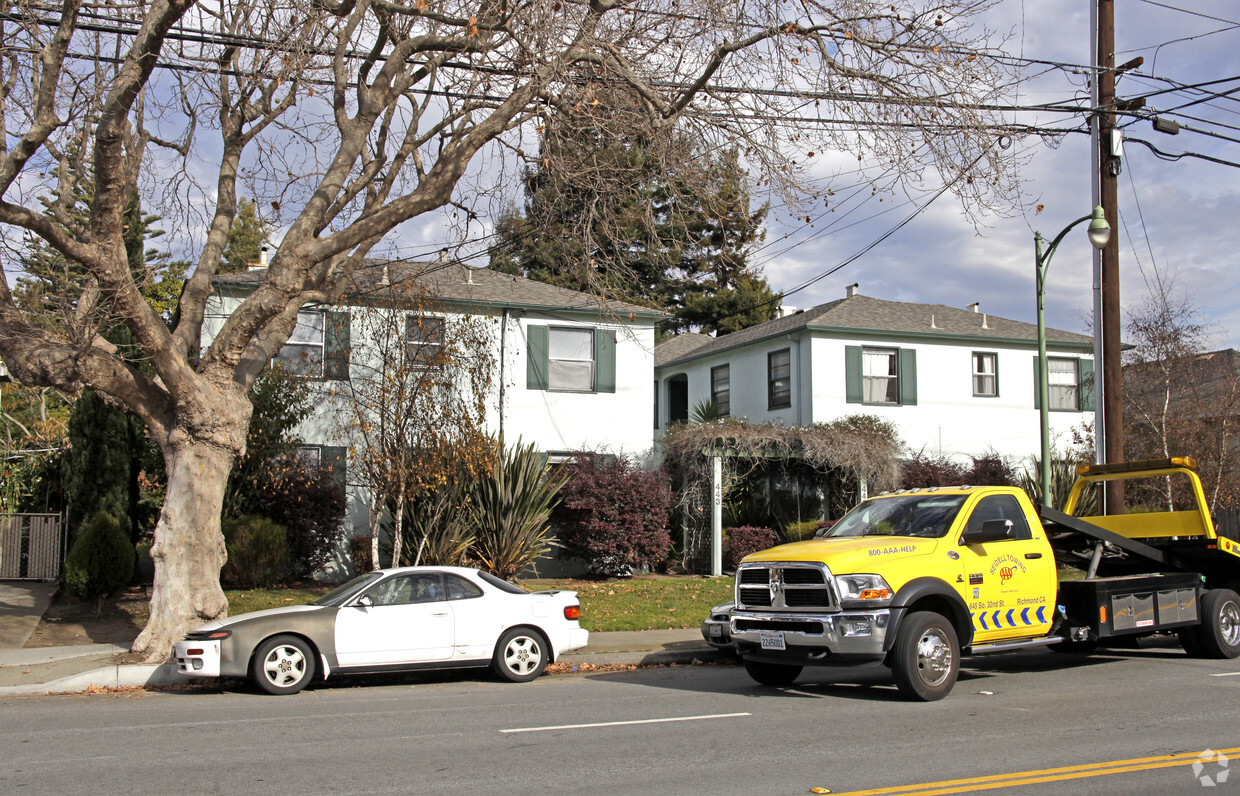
[867, 588]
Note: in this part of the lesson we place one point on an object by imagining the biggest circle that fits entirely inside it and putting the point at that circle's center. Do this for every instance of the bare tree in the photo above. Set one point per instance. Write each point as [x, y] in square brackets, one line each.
[415, 405]
[1179, 399]
[347, 119]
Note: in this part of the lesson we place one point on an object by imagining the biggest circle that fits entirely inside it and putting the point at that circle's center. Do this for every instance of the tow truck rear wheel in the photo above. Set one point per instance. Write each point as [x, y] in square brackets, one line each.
[772, 673]
[1218, 635]
[925, 658]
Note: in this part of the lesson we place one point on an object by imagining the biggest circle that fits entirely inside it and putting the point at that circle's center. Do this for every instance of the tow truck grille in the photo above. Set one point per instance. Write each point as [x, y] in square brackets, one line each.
[802, 587]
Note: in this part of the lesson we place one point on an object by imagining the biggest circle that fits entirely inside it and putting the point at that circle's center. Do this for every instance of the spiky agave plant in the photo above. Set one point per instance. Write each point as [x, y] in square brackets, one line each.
[510, 511]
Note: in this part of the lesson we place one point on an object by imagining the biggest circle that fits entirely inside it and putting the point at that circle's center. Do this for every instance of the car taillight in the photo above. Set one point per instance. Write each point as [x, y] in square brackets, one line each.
[572, 612]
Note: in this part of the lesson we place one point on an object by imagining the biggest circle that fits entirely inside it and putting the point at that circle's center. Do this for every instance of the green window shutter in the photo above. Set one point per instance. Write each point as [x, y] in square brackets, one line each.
[1085, 384]
[852, 374]
[604, 360]
[1037, 381]
[336, 347]
[536, 338]
[337, 458]
[908, 377]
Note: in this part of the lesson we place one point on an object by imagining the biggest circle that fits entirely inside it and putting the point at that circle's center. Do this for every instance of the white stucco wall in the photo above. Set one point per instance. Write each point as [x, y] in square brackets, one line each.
[947, 419]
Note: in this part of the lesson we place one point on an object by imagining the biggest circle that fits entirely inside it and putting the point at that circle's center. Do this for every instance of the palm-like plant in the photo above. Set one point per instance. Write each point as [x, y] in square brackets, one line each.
[510, 512]
[436, 530]
[1063, 476]
[706, 411]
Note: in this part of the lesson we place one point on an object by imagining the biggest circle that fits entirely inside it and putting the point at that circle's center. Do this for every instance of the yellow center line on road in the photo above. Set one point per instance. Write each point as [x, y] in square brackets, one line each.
[1038, 776]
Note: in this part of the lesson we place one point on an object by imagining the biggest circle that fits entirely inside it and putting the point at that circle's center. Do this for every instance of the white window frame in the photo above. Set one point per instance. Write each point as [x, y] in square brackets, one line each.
[980, 374]
[721, 395]
[1064, 384]
[418, 343]
[555, 377]
[880, 384]
[298, 354]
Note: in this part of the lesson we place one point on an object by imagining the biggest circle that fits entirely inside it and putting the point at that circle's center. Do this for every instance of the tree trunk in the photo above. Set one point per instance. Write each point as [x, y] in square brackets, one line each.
[188, 549]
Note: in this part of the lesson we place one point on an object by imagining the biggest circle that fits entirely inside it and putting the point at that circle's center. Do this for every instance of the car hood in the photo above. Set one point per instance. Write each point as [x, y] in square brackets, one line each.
[287, 610]
[847, 554]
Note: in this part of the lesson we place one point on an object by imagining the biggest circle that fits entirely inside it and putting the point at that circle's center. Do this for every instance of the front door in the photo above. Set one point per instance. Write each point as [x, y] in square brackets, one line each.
[1009, 585]
[401, 619]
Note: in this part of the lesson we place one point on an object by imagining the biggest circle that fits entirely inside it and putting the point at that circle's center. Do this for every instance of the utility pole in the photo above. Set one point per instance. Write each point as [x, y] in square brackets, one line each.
[1108, 160]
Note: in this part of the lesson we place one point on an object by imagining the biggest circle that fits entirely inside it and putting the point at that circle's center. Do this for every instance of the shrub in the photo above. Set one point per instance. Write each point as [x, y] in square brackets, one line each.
[614, 516]
[922, 470]
[307, 500]
[509, 512]
[360, 554]
[100, 562]
[257, 552]
[800, 531]
[436, 529]
[991, 469]
[744, 540]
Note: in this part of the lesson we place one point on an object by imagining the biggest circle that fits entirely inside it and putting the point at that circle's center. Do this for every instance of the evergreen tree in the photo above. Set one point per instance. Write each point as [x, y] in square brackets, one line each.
[621, 224]
[245, 239]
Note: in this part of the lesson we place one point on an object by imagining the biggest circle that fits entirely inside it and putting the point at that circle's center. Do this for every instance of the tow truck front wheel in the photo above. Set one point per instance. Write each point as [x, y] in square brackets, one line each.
[1218, 635]
[925, 657]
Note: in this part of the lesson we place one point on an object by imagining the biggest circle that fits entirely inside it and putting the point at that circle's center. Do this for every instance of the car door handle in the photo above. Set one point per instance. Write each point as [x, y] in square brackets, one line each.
[1033, 555]
[440, 613]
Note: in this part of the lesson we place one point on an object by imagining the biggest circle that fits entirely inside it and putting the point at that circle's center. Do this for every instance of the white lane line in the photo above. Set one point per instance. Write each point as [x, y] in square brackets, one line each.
[624, 723]
[1225, 674]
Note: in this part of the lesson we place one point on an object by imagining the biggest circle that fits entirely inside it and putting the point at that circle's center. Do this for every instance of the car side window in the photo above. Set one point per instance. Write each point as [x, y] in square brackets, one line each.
[393, 591]
[1001, 507]
[459, 588]
[428, 587]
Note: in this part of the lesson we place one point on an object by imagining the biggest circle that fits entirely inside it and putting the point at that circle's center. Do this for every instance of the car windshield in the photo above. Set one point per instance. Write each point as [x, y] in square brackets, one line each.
[340, 594]
[925, 515]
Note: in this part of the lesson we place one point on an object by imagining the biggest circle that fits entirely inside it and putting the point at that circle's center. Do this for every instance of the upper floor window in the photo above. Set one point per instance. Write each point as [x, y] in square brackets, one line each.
[985, 374]
[779, 379]
[303, 353]
[1064, 383]
[570, 359]
[424, 341]
[880, 375]
[721, 389]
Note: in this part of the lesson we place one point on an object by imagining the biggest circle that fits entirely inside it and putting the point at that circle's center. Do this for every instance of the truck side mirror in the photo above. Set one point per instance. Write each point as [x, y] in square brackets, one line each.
[991, 531]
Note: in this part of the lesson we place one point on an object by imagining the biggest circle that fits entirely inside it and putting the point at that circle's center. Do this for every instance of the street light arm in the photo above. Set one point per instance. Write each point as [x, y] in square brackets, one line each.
[1044, 260]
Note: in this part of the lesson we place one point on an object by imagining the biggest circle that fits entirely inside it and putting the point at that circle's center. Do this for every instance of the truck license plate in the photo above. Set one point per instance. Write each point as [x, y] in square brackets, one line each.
[716, 631]
[772, 640]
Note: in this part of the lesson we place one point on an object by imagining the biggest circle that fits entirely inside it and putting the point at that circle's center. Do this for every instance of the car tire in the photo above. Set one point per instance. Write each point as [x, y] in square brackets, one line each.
[521, 655]
[925, 658]
[1219, 632]
[772, 673]
[282, 665]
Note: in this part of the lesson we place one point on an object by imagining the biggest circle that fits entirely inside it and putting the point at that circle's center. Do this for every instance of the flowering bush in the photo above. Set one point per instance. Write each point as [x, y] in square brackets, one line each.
[746, 539]
[613, 515]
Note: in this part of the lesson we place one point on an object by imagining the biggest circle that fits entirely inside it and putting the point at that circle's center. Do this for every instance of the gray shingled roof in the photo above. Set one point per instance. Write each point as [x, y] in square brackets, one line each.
[863, 314]
[454, 283]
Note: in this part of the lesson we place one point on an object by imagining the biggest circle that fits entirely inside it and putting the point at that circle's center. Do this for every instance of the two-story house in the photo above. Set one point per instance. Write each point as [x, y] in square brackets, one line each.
[574, 374]
[955, 382]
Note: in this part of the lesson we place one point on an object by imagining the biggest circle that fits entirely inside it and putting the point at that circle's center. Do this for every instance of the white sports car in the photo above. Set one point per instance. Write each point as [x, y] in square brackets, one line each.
[391, 620]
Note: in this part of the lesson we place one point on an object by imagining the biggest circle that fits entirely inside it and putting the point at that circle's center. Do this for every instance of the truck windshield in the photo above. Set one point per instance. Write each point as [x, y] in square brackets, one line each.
[904, 515]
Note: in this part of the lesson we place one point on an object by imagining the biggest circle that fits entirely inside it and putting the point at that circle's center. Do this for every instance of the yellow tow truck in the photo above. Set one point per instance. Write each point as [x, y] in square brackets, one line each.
[916, 578]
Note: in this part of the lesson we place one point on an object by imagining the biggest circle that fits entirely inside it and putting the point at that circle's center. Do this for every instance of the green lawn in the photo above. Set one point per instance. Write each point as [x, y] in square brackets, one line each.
[643, 603]
[637, 604]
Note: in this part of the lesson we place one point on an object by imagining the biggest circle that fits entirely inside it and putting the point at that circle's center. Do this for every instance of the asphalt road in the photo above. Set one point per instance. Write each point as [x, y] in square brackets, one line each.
[1030, 723]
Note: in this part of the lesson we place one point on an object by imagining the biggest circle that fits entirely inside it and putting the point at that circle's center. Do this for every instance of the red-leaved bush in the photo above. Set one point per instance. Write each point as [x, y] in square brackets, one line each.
[310, 503]
[746, 539]
[613, 515]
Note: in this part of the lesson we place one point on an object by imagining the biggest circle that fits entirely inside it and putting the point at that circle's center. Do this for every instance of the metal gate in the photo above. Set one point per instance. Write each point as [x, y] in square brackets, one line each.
[31, 546]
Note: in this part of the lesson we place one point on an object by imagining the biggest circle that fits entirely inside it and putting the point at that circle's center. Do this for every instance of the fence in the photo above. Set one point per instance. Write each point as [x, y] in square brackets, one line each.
[31, 546]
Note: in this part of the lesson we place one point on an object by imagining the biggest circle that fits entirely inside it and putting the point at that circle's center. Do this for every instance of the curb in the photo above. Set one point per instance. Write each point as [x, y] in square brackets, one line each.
[122, 676]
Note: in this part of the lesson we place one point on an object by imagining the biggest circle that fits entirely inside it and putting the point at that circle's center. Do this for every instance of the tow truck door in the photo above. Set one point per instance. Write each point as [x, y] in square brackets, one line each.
[1009, 584]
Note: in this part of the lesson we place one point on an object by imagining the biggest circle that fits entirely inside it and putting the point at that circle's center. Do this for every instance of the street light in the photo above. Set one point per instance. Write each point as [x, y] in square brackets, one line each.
[1099, 234]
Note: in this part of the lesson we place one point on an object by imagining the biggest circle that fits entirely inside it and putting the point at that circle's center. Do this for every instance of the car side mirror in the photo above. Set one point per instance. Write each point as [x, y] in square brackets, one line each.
[365, 601]
[991, 531]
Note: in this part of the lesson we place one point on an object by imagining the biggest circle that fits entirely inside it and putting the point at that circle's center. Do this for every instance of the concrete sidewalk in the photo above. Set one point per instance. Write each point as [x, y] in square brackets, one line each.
[43, 670]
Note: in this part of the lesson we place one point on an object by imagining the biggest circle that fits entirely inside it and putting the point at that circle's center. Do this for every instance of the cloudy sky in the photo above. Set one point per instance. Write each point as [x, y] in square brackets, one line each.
[1181, 218]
